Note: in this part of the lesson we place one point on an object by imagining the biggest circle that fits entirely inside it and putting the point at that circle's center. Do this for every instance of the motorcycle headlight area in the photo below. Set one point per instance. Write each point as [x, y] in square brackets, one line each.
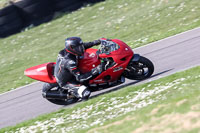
[108, 46]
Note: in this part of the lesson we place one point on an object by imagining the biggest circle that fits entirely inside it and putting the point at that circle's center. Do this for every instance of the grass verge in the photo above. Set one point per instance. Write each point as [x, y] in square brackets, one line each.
[170, 104]
[137, 22]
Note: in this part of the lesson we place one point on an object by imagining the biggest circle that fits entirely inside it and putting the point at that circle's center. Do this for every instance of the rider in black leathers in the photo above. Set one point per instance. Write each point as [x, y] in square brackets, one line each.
[67, 73]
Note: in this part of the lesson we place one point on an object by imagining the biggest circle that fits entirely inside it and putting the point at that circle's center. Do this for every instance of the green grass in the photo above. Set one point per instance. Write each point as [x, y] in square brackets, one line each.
[137, 22]
[170, 104]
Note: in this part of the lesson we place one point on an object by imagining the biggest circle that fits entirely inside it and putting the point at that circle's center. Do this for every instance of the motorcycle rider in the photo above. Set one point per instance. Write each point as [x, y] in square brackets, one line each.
[67, 73]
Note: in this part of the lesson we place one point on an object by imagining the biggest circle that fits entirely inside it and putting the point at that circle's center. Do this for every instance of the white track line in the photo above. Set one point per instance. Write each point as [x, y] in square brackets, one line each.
[19, 88]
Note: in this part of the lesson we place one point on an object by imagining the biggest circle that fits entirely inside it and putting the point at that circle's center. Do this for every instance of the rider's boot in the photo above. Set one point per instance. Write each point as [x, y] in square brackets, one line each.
[80, 92]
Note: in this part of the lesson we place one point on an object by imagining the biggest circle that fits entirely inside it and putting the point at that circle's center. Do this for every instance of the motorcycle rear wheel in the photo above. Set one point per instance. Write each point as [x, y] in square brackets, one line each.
[54, 88]
[139, 70]
[63, 101]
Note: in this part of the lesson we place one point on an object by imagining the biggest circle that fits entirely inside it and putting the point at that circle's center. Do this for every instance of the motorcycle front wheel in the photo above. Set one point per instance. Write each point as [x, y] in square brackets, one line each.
[139, 70]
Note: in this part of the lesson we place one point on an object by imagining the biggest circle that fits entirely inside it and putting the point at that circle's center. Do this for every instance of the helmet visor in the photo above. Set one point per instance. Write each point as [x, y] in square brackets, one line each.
[80, 49]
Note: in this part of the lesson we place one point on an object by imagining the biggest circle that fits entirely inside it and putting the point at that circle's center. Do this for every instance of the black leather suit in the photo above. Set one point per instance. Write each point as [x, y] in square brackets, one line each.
[67, 73]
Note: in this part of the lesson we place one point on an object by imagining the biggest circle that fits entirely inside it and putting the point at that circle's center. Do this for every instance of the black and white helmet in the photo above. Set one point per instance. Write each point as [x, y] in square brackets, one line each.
[74, 45]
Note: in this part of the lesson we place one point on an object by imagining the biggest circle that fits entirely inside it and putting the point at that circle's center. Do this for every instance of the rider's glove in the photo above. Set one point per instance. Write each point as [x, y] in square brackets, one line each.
[97, 70]
[97, 42]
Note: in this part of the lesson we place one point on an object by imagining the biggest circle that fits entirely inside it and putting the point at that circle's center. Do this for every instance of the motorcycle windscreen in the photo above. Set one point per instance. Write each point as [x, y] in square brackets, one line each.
[43, 72]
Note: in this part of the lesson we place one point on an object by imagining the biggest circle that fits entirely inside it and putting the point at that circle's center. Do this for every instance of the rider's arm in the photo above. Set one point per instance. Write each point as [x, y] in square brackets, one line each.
[72, 67]
[81, 77]
[91, 44]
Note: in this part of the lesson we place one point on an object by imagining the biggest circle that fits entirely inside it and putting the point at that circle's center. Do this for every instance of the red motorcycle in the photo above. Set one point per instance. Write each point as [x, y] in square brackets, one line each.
[119, 61]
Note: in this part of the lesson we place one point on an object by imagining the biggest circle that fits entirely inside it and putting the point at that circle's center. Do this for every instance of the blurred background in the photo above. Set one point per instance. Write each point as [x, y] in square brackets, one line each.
[18, 14]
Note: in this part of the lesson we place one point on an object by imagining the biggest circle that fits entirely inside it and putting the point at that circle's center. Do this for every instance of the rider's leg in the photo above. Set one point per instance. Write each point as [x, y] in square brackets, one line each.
[47, 87]
[76, 89]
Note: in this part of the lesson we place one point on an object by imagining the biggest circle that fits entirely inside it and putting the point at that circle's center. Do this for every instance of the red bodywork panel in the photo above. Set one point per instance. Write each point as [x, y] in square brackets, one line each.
[42, 72]
[121, 57]
[90, 61]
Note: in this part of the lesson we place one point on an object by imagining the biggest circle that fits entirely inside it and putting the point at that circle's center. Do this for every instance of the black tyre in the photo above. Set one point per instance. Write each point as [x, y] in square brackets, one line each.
[11, 27]
[12, 16]
[93, 1]
[63, 102]
[139, 70]
[53, 88]
[74, 6]
[37, 10]
[63, 5]
[25, 3]
[31, 10]
[7, 10]
[10, 21]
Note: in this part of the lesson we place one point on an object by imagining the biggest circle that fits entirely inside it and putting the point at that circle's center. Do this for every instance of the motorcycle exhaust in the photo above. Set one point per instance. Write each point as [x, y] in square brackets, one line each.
[54, 95]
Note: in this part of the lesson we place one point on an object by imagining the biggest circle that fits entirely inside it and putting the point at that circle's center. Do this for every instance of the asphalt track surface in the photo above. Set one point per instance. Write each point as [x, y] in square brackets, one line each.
[169, 55]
